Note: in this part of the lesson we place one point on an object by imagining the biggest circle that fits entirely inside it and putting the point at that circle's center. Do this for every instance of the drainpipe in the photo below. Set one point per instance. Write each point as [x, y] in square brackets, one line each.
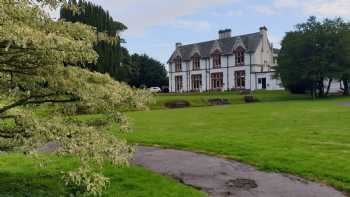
[250, 69]
[256, 81]
[171, 79]
[227, 79]
[206, 75]
[188, 77]
[209, 75]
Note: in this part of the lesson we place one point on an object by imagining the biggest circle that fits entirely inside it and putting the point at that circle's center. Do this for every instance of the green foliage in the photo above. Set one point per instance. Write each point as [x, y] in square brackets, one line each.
[303, 137]
[314, 53]
[136, 70]
[36, 67]
[109, 51]
[92, 15]
[148, 72]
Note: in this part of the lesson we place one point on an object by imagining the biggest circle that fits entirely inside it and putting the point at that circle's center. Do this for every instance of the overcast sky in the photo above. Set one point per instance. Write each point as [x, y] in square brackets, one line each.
[154, 26]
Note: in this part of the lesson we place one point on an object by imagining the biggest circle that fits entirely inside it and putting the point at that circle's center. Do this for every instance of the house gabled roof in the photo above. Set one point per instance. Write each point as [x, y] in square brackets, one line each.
[215, 47]
[250, 41]
[195, 51]
[238, 43]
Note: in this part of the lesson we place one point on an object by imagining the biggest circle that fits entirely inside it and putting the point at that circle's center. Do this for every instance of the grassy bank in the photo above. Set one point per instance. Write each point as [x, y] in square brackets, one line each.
[21, 176]
[201, 99]
[303, 137]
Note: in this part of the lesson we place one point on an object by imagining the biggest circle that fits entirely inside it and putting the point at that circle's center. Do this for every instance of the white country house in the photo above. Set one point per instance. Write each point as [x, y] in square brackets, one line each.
[228, 63]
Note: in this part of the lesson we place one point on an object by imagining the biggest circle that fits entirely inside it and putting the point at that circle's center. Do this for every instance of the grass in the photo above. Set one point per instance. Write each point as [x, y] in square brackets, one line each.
[21, 176]
[201, 99]
[283, 133]
[302, 137]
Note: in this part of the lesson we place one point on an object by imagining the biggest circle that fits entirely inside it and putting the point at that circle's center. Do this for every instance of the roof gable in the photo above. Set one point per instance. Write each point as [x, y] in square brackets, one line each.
[195, 51]
[238, 43]
[226, 45]
[216, 47]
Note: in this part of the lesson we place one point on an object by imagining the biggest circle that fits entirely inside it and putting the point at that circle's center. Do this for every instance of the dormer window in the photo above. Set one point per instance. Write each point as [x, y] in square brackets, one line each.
[216, 59]
[196, 62]
[178, 64]
[239, 56]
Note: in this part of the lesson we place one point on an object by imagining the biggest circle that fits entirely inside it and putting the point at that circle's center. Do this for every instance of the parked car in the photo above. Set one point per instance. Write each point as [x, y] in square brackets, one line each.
[155, 89]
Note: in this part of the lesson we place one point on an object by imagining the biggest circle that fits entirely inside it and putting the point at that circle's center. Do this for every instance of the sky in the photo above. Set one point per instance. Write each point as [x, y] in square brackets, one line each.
[154, 26]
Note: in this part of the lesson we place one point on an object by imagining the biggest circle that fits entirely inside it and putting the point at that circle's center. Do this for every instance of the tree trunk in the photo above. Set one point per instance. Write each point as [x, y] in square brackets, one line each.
[313, 91]
[320, 87]
[329, 86]
[346, 87]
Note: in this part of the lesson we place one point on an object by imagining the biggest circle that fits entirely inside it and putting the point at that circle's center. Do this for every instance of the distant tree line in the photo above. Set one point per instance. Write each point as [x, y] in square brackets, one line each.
[314, 55]
[136, 70]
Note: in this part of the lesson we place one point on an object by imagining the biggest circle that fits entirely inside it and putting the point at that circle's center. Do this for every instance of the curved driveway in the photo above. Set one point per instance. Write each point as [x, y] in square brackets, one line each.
[220, 177]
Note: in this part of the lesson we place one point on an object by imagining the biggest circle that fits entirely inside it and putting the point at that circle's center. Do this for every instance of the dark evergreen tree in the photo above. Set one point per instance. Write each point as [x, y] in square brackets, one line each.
[150, 72]
[136, 70]
[109, 51]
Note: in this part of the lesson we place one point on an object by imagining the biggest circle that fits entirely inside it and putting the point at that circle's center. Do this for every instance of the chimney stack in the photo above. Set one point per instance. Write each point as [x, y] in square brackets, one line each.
[178, 44]
[263, 30]
[226, 33]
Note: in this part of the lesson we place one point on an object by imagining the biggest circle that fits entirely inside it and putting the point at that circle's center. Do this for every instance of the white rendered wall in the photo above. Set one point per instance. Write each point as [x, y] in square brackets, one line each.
[261, 61]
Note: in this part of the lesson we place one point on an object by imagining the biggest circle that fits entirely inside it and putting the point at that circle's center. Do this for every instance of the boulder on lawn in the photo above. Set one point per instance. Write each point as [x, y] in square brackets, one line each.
[219, 101]
[177, 104]
[250, 99]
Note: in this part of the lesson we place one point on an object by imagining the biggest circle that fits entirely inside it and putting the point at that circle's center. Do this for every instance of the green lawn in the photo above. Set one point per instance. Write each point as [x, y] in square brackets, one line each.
[201, 99]
[303, 137]
[287, 133]
[21, 176]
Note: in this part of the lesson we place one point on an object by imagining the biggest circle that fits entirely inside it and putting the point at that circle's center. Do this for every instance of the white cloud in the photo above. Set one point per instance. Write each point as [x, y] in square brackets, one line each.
[286, 3]
[140, 15]
[266, 10]
[231, 13]
[329, 8]
[277, 6]
[194, 25]
[323, 8]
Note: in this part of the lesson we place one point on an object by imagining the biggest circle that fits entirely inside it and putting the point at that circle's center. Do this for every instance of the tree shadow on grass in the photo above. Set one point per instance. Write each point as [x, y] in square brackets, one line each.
[31, 185]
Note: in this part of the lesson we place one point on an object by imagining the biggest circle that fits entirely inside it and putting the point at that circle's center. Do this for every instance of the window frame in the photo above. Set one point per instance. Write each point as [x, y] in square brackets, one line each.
[196, 82]
[239, 56]
[216, 59]
[240, 79]
[217, 80]
[178, 83]
[196, 62]
[178, 64]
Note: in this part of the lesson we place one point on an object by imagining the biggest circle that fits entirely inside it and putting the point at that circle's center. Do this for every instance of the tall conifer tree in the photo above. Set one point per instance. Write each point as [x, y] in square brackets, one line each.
[108, 51]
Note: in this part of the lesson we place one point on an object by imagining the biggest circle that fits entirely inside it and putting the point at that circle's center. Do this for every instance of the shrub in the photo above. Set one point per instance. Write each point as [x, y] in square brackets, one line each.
[219, 101]
[177, 104]
[250, 99]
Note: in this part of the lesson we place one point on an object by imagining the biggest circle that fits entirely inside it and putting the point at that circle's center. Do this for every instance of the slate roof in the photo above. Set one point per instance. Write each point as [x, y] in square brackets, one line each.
[250, 41]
